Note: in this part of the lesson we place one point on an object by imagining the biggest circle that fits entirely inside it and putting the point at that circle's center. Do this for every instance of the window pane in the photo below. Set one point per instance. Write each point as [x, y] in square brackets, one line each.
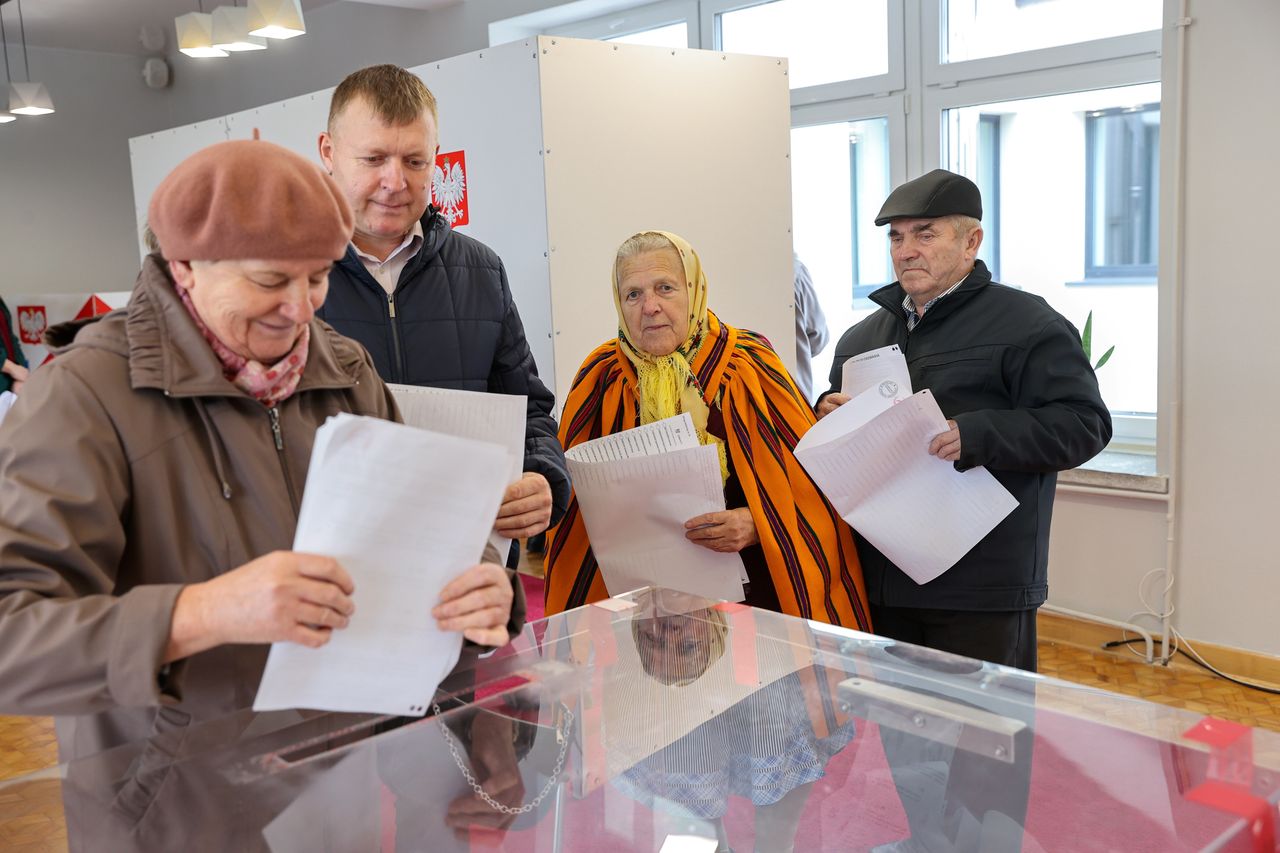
[1031, 159]
[1123, 193]
[839, 179]
[672, 35]
[981, 28]
[823, 40]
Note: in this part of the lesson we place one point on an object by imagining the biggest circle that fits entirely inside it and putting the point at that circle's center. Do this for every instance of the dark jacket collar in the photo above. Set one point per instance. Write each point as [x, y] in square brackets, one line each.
[891, 295]
[435, 228]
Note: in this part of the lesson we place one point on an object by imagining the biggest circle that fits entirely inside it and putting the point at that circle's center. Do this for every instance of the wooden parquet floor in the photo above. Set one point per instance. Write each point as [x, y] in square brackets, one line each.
[31, 812]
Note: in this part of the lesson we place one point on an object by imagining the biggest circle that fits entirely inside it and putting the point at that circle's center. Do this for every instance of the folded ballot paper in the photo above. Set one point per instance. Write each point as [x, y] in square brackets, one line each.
[405, 511]
[870, 458]
[636, 489]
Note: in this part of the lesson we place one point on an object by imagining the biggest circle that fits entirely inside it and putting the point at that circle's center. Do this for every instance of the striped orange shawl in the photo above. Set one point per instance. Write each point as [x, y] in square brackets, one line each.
[807, 546]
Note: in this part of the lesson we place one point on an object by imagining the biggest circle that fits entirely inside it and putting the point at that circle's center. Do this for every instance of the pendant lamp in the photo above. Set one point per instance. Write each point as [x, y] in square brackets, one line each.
[26, 99]
[276, 19]
[231, 30]
[195, 34]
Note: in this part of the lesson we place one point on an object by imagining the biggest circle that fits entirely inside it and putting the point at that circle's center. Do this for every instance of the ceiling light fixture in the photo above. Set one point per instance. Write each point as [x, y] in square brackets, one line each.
[231, 30]
[195, 34]
[276, 19]
[5, 115]
[26, 99]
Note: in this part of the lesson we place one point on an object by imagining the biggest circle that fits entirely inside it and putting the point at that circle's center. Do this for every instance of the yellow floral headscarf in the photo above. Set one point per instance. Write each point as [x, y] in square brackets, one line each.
[667, 386]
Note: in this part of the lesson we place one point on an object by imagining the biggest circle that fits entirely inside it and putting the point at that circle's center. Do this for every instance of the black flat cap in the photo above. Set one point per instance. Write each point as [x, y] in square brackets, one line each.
[939, 193]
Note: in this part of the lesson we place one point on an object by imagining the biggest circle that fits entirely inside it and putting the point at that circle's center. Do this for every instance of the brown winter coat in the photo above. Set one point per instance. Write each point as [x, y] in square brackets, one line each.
[129, 467]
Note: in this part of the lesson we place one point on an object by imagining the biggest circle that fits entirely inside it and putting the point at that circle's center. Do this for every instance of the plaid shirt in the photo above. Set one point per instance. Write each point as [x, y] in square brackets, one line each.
[909, 307]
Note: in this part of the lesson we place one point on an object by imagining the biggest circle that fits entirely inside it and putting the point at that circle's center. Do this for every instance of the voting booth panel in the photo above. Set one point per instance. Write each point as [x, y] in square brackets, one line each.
[553, 151]
[34, 313]
[690, 141]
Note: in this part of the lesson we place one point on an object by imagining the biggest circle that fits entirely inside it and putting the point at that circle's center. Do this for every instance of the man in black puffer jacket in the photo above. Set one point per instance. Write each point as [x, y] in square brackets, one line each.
[432, 306]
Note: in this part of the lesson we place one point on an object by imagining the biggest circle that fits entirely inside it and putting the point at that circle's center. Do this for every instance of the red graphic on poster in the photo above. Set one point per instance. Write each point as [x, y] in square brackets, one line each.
[92, 307]
[31, 323]
[449, 187]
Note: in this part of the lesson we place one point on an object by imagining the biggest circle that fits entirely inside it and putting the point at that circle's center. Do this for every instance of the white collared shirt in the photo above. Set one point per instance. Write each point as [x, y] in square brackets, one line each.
[909, 306]
[387, 272]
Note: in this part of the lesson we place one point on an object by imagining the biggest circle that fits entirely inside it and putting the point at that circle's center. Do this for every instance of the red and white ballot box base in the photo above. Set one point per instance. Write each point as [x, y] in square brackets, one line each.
[32, 315]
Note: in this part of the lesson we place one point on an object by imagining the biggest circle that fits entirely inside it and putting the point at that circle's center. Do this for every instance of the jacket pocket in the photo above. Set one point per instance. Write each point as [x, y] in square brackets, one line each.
[149, 771]
[960, 380]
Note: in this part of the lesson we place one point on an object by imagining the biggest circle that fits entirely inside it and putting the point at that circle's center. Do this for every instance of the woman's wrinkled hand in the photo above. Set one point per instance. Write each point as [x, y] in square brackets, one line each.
[283, 596]
[477, 603]
[728, 531]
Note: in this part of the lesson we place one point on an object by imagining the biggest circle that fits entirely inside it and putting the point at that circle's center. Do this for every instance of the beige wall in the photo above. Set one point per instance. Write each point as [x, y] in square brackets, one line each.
[1227, 587]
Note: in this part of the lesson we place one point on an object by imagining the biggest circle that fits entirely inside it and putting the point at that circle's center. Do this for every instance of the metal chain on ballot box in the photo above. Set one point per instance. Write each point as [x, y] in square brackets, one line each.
[561, 738]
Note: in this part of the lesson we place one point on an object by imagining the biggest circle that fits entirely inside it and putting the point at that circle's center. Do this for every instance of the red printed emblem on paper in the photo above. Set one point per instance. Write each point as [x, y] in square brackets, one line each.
[31, 323]
[449, 187]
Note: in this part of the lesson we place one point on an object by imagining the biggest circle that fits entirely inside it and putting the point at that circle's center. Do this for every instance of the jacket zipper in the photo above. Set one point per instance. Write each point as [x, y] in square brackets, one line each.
[278, 436]
[395, 334]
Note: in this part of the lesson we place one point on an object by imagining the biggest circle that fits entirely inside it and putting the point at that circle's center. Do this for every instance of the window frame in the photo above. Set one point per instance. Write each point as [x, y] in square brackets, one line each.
[1101, 274]
[878, 85]
[638, 19]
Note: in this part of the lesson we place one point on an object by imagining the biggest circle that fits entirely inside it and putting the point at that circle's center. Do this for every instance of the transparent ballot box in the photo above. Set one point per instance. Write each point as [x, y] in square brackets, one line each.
[656, 721]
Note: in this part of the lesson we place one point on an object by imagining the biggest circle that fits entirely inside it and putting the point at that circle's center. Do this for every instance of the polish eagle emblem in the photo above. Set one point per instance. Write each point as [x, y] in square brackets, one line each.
[449, 188]
[31, 323]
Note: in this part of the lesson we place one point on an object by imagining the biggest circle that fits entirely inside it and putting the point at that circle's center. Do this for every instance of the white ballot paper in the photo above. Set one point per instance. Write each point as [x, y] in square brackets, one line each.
[884, 368]
[404, 511]
[7, 399]
[499, 418]
[871, 460]
[636, 489]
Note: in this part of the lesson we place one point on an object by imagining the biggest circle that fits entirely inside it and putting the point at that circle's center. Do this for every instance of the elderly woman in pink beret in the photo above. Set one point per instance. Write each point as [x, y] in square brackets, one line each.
[150, 476]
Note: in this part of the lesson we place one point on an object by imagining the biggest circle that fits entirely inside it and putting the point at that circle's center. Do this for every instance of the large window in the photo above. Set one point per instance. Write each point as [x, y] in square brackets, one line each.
[976, 29]
[1122, 170]
[1044, 182]
[1051, 106]
[825, 41]
[839, 178]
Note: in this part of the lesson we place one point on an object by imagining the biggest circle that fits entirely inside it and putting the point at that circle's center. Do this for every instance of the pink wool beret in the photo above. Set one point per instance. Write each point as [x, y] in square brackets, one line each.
[249, 199]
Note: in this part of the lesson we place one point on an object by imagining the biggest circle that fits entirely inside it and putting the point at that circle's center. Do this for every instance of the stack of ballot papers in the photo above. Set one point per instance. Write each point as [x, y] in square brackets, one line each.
[636, 489]
[870, 458]
[404, 511]
[499, 418]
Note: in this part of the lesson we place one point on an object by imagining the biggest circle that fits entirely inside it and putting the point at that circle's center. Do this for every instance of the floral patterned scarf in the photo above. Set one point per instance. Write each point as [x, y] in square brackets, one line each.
[268, 384]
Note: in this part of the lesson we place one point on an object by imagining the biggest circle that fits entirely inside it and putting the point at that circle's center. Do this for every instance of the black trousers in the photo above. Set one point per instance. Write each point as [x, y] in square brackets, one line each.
[954, 799]
[1006, 637]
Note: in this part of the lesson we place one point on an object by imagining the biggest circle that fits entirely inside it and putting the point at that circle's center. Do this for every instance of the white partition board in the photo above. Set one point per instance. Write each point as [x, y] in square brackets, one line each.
[295, 123]
[689, 141]
[489, 110]
[154, 155]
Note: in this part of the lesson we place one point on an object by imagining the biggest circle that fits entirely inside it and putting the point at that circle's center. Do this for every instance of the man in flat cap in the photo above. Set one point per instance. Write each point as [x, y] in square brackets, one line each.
[1010, 374]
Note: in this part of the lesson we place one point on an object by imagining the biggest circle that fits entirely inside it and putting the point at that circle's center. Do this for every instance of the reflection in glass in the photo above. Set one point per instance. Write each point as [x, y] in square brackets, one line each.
[768, 748]
[1070, 186]
[824, 41]
[980, 28]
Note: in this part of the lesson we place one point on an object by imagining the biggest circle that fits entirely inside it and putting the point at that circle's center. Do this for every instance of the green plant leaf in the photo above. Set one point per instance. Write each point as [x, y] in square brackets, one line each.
[1106, 355]
[1086, 338]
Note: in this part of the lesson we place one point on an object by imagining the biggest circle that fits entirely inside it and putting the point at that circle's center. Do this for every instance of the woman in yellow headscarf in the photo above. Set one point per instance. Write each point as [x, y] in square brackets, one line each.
[673, 355]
